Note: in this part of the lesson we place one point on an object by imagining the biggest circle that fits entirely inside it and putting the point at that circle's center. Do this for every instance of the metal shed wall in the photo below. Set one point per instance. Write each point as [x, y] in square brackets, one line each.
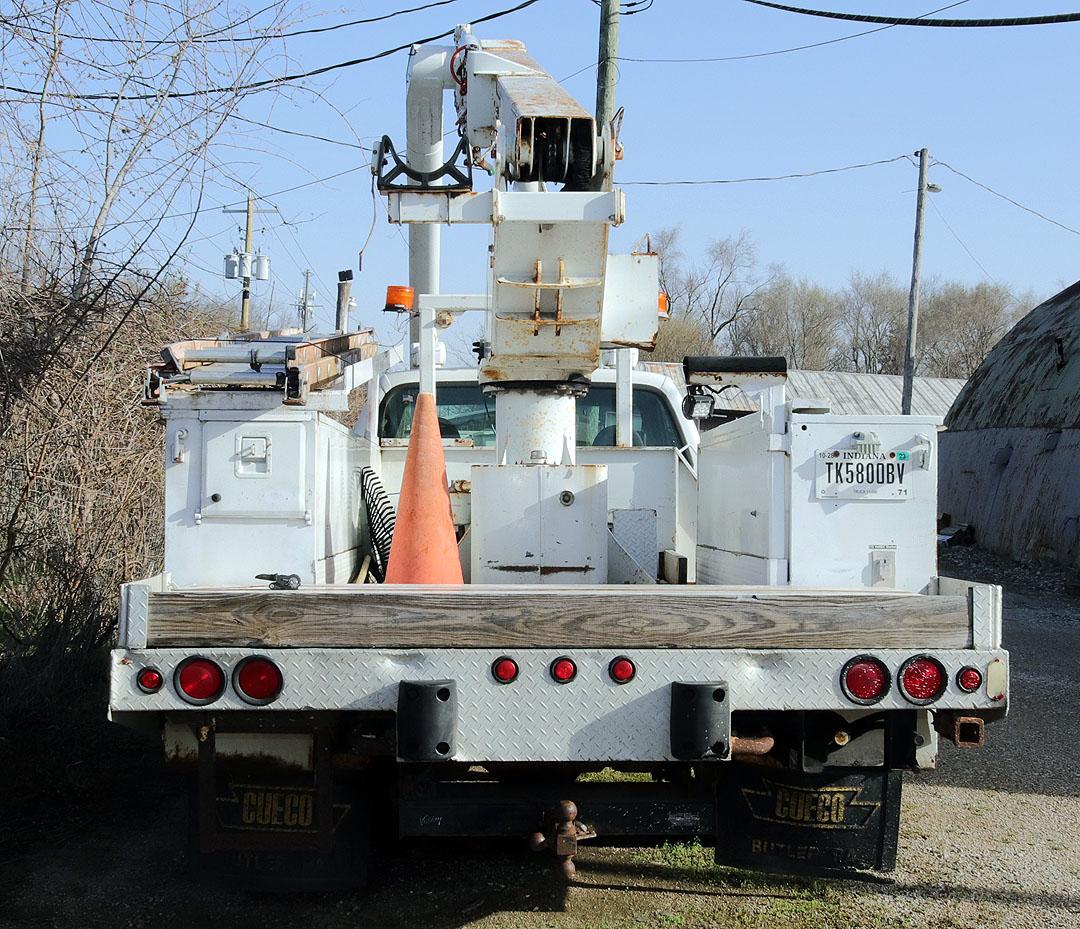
[1010, 460]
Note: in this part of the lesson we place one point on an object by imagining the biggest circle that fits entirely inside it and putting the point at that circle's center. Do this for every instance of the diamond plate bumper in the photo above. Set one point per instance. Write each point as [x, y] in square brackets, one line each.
[535, 719]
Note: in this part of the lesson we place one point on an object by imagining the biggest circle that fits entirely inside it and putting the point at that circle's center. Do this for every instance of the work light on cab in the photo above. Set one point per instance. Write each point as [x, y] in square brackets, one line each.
[504, 670]
[199, 680]
[864, 680]
[969, 679]
[922, 679]
[257, 680]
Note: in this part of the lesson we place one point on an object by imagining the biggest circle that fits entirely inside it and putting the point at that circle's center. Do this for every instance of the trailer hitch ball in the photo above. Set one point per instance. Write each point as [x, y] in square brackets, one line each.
[563, 837]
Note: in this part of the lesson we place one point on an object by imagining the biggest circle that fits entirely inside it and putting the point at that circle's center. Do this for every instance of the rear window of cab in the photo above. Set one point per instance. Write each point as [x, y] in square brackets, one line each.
[466, 412]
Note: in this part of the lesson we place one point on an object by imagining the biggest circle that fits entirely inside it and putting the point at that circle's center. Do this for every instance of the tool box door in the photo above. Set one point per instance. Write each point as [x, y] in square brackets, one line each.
[254, 469]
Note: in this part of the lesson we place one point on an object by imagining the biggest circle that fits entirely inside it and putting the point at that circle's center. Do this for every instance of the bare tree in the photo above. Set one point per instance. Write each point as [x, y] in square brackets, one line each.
[960, 324]
[113, 111]
[715, 289]
[873, 321]
[679, 337]
[794, 318]
[722, 303]
[108, 123]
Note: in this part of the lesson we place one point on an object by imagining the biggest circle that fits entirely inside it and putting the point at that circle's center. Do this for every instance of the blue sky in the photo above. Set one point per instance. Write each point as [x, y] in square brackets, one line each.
[998, 104]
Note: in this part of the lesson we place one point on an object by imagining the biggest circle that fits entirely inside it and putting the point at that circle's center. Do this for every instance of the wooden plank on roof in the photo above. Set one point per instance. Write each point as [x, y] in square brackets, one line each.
[518, 616]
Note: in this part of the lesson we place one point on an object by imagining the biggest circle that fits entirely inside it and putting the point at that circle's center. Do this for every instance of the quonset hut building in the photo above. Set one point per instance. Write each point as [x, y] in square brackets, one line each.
[1010, 460]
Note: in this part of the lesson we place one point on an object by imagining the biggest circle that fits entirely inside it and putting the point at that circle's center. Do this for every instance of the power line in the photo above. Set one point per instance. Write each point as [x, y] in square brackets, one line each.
[778, 177]
[777, 51]
[275, 81]
[919, 21]
[317, 29]
[292, 227]
[961, 242]
[297, 132]
[629, 9]
[1007, 199]
[210, 209]
[210, 39]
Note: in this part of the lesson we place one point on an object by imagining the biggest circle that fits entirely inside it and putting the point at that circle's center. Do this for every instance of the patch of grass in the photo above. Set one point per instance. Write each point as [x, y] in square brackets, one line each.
[684, 856]
[611, 776]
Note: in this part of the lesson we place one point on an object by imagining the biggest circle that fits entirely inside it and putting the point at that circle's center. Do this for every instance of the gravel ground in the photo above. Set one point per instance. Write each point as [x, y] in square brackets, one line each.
[990, 840]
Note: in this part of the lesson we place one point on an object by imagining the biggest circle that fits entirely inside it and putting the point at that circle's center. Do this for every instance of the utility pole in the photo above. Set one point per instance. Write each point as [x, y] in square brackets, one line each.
[307, 299]
[605, 70]
[246, 261]
[344, 289]
[249, 244]
[913, 294]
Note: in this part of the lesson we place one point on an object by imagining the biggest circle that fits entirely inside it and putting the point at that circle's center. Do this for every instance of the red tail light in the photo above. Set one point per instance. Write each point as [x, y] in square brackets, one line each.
[922, 679]
[504, 669]
[622, 670]
[563, 670]
[969, 680]
[864, 680]
[257, 680]
[149, 680]
[199, 680]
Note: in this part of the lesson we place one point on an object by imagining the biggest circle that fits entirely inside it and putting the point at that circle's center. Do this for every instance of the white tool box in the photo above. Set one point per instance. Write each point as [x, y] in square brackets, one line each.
[821, 500]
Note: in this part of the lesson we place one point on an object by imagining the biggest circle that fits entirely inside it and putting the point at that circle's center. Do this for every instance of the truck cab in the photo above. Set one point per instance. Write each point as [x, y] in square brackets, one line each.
[655, 477]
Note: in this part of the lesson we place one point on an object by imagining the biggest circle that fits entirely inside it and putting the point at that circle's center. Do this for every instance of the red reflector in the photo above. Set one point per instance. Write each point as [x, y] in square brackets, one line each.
[969, 680]
[622, 670]
[563, 670]
[149, 680]
[504, 669]
[199, 680]
[922, 679]
[257, 680]
[864, 680]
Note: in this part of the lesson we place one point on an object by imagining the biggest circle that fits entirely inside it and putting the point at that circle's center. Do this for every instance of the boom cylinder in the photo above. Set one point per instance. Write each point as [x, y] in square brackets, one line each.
[536, 424]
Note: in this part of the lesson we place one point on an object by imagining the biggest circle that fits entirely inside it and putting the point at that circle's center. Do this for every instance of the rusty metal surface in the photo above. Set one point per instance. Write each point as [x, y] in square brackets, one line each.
[1019, 488]
[1031, 378]
[744, 745]
[962, 731]
[1009, 460]
[540, 96]
[563, 836]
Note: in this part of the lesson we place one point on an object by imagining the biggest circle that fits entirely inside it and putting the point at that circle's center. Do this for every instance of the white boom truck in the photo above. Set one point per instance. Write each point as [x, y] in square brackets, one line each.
[752, 615]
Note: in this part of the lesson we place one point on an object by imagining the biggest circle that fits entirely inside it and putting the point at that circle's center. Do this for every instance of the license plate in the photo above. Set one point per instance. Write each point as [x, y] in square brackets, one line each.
[849, 475]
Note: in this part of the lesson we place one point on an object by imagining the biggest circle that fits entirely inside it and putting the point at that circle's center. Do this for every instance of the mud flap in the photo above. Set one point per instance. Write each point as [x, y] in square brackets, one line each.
[832, 823]
[265, 828]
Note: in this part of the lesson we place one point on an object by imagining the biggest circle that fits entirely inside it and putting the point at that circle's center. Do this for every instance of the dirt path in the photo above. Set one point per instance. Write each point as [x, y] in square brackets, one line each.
[991, 840]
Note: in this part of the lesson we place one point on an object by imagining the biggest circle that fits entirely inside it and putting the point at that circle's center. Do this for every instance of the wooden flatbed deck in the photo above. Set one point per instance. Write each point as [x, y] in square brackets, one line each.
[505, 616]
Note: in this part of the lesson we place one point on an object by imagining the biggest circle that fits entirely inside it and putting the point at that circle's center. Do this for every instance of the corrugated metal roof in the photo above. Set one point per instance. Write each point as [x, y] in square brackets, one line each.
[848, 393]
[854, 394]
[1031, 378]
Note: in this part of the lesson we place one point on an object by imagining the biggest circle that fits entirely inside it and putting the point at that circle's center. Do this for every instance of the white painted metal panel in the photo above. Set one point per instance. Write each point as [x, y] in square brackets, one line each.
[646, 478]
[295, 513]
[524, 530]
[535, 719]
[742, 513]
[631, 288]
[739, 567]
[255, 468]
[836, 541]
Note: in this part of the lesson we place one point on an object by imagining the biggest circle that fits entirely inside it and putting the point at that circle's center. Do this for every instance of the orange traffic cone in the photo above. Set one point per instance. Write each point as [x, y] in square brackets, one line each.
[424, 549]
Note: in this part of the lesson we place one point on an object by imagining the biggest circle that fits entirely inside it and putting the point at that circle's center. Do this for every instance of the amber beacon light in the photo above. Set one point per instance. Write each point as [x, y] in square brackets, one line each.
[399, 299]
